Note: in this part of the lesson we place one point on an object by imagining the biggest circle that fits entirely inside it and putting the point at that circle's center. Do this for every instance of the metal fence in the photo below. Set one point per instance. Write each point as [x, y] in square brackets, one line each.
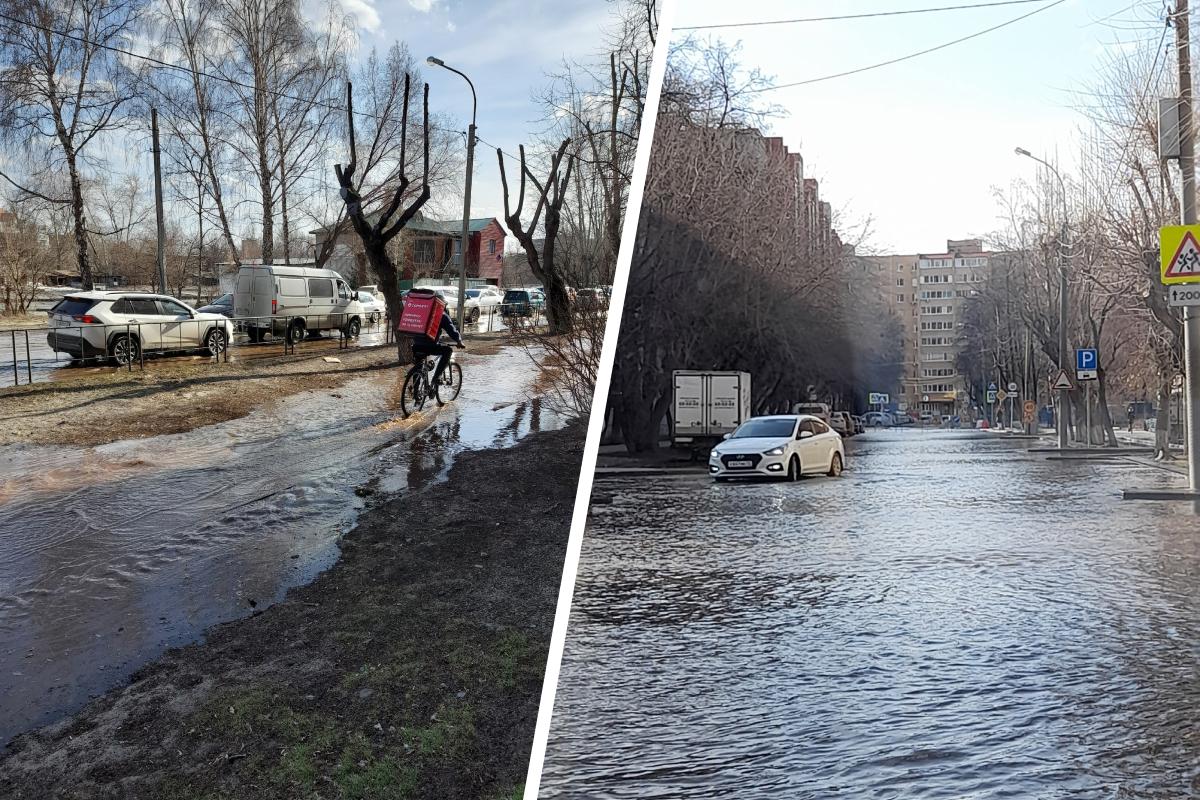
[35, 353]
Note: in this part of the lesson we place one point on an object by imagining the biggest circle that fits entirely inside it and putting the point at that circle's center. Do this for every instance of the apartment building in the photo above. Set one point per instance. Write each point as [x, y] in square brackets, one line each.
[927, 291]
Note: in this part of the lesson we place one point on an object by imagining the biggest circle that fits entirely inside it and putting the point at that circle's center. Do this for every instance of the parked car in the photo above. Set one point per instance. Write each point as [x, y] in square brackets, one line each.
[522, 303]
[784, 446]
[818, 410]
[590, 300]
[121, 326]
[295, 301]
[373, 308]
[878, 419]
[840, 421]
[223, 305]
[859, 425]
[900, 418]
[481, 300]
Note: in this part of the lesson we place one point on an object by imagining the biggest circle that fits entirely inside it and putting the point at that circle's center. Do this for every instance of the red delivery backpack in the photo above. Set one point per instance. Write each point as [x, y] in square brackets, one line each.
[422, 313]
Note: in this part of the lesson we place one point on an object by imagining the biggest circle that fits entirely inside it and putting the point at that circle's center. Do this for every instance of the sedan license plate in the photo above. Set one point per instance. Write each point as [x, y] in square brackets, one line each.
[740, 464]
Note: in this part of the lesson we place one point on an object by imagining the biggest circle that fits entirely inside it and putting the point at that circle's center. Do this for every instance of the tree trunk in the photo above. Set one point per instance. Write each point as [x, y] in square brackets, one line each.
[77, 211]
[286, 231]
[1162, 418]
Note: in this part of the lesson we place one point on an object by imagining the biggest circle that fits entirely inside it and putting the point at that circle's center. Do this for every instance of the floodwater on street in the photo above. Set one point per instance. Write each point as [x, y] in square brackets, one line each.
[953, 618]
[111, 554]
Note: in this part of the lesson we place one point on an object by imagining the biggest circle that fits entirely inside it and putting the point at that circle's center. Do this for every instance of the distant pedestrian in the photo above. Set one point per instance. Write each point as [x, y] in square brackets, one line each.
[1131, 416]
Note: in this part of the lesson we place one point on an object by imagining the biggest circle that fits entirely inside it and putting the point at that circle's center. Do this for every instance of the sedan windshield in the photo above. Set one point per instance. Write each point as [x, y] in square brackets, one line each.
[765, 429]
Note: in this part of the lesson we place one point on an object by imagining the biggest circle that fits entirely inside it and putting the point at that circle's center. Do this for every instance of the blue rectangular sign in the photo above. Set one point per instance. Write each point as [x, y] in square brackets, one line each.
[1086, 359]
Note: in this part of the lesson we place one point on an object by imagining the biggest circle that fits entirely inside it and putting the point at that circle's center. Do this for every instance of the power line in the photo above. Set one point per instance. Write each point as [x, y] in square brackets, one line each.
[841, 17]
[926, 51]
[210, 75]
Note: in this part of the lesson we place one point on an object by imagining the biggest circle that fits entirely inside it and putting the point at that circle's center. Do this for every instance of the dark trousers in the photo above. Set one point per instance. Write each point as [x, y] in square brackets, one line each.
[442, 351]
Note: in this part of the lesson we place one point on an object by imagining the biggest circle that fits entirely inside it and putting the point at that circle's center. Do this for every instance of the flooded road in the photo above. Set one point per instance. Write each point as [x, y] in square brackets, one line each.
[953, 618]
[109, 555]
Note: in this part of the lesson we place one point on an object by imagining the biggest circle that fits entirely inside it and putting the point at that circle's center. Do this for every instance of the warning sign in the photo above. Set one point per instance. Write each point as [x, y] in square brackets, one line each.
[1179, 253]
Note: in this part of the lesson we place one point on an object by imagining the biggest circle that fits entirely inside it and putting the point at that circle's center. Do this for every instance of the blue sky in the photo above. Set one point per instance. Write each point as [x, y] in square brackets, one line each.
[919, 146]
[507, 47]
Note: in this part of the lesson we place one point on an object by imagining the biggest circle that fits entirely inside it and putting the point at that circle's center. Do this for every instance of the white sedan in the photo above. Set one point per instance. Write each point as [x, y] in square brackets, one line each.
[373, 307]
[784, 446]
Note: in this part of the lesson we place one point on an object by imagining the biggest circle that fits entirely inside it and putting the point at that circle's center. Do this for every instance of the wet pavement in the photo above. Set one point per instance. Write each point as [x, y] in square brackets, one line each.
[954, 618]
[111, 554]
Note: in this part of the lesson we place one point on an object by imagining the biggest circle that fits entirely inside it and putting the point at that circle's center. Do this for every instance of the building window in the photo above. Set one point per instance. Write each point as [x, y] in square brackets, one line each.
[899, 298]
[491, 247]
[899, 281]
[423, 251]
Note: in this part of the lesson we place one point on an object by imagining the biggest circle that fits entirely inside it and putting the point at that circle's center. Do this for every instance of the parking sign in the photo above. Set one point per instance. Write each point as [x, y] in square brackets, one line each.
[1087, 364]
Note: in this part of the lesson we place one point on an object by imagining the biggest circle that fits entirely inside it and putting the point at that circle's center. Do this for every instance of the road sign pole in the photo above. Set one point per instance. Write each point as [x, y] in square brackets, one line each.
[1087, 413]
[1187, 168]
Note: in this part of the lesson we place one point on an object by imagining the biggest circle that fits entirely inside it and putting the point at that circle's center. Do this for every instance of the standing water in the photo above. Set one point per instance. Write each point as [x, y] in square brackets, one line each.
[954, 618]
[111, 554]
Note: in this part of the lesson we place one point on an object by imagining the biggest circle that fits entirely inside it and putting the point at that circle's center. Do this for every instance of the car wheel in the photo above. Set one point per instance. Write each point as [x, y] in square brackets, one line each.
[374, 318]
[835, 465]
[295, 332]
[352, 328]
[473, 316]
[215, 342]
[793, 473]
[124, 350]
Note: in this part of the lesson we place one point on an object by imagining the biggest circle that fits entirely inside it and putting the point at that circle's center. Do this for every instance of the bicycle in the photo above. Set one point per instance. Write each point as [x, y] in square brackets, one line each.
[418, 384]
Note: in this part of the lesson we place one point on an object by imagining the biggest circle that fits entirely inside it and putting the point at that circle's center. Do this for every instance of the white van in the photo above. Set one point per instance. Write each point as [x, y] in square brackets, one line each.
[294, 301]
[819, 410]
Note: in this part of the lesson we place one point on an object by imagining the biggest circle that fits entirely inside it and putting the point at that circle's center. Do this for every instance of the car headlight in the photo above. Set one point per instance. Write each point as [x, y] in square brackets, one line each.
[774, 451]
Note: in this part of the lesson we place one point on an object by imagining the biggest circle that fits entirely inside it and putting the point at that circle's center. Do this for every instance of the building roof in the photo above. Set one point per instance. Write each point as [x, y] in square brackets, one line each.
[454, 226]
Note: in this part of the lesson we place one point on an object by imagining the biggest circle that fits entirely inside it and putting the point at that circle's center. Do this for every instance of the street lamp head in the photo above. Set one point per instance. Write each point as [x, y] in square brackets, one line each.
[434, 61]
[1021, 151]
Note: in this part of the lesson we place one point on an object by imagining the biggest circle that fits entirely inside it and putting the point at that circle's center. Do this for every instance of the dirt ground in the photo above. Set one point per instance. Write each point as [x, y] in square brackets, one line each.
[92, 406]
[410, 669]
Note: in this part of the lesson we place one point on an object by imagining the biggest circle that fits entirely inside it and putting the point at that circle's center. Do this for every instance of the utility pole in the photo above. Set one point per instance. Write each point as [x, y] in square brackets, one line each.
[1187, 168]
[161, 256]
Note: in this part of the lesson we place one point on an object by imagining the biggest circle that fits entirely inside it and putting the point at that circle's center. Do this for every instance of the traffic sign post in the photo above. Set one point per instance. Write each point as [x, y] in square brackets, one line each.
[1179, 259]
[1179, 254]
[1087, 364]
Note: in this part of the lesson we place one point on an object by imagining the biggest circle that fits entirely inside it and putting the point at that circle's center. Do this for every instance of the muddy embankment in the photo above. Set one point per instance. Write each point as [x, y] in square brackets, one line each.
[411, 668]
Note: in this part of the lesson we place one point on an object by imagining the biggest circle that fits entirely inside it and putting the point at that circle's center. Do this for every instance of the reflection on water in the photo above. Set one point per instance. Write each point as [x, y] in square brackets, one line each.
[108, 555]
[954, 618]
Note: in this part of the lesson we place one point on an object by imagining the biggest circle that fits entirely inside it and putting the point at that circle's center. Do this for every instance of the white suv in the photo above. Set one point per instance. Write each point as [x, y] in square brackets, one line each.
[123, 325]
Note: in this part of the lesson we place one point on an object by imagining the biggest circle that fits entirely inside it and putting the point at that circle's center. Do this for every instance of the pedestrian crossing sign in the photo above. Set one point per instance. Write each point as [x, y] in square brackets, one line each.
[1179, 253]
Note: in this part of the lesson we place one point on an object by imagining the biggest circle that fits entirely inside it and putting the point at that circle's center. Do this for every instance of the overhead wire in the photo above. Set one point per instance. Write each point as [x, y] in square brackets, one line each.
[842, 17]
[909, 56]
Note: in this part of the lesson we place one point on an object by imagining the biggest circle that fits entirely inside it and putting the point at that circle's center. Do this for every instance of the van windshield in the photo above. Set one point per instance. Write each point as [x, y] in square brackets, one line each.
[765, 428]
[516, 297]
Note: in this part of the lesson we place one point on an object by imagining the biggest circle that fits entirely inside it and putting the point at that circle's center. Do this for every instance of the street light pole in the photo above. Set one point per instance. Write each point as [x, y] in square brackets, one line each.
[1064, 255]
[466, 222]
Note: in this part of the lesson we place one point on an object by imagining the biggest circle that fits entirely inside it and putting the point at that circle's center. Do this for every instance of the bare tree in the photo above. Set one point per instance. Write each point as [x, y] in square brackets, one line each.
[24, 260]
[62, 84]
[550, 194]
[376, 233]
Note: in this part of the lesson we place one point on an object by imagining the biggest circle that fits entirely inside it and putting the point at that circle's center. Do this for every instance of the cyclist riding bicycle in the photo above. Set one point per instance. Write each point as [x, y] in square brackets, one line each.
[424, 346]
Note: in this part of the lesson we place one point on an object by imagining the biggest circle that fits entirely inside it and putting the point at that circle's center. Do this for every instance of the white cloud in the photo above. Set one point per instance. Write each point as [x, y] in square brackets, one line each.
[423, 6]
[450, 26]
[364, 13]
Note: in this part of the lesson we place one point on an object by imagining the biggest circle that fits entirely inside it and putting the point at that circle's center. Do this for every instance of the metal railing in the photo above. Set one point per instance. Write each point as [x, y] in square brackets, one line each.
[35, 353]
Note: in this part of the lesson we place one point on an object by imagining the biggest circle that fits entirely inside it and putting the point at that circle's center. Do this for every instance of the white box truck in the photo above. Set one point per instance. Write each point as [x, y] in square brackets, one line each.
[706, 405]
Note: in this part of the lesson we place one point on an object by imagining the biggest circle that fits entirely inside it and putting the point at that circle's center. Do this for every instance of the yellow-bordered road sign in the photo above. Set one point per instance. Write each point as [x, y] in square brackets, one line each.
[1179, 253]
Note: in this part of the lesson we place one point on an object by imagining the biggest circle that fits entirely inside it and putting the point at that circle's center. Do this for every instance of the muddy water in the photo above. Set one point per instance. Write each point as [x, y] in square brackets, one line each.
[954, 618]
[109, 555]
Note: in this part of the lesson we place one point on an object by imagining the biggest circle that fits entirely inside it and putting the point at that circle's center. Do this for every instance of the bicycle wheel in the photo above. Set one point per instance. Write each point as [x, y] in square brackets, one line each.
[449, 385]
[415, 392]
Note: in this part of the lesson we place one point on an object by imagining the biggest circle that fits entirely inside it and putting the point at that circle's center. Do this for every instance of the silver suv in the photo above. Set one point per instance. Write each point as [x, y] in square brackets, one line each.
[123, 325]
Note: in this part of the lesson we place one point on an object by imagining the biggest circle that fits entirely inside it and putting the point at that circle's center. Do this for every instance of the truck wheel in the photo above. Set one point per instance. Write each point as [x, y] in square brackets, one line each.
[352, 328]
[295, 332]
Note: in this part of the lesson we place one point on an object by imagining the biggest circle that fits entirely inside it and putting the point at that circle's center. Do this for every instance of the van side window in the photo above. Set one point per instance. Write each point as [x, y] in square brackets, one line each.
[343, 291]
[320, 287]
